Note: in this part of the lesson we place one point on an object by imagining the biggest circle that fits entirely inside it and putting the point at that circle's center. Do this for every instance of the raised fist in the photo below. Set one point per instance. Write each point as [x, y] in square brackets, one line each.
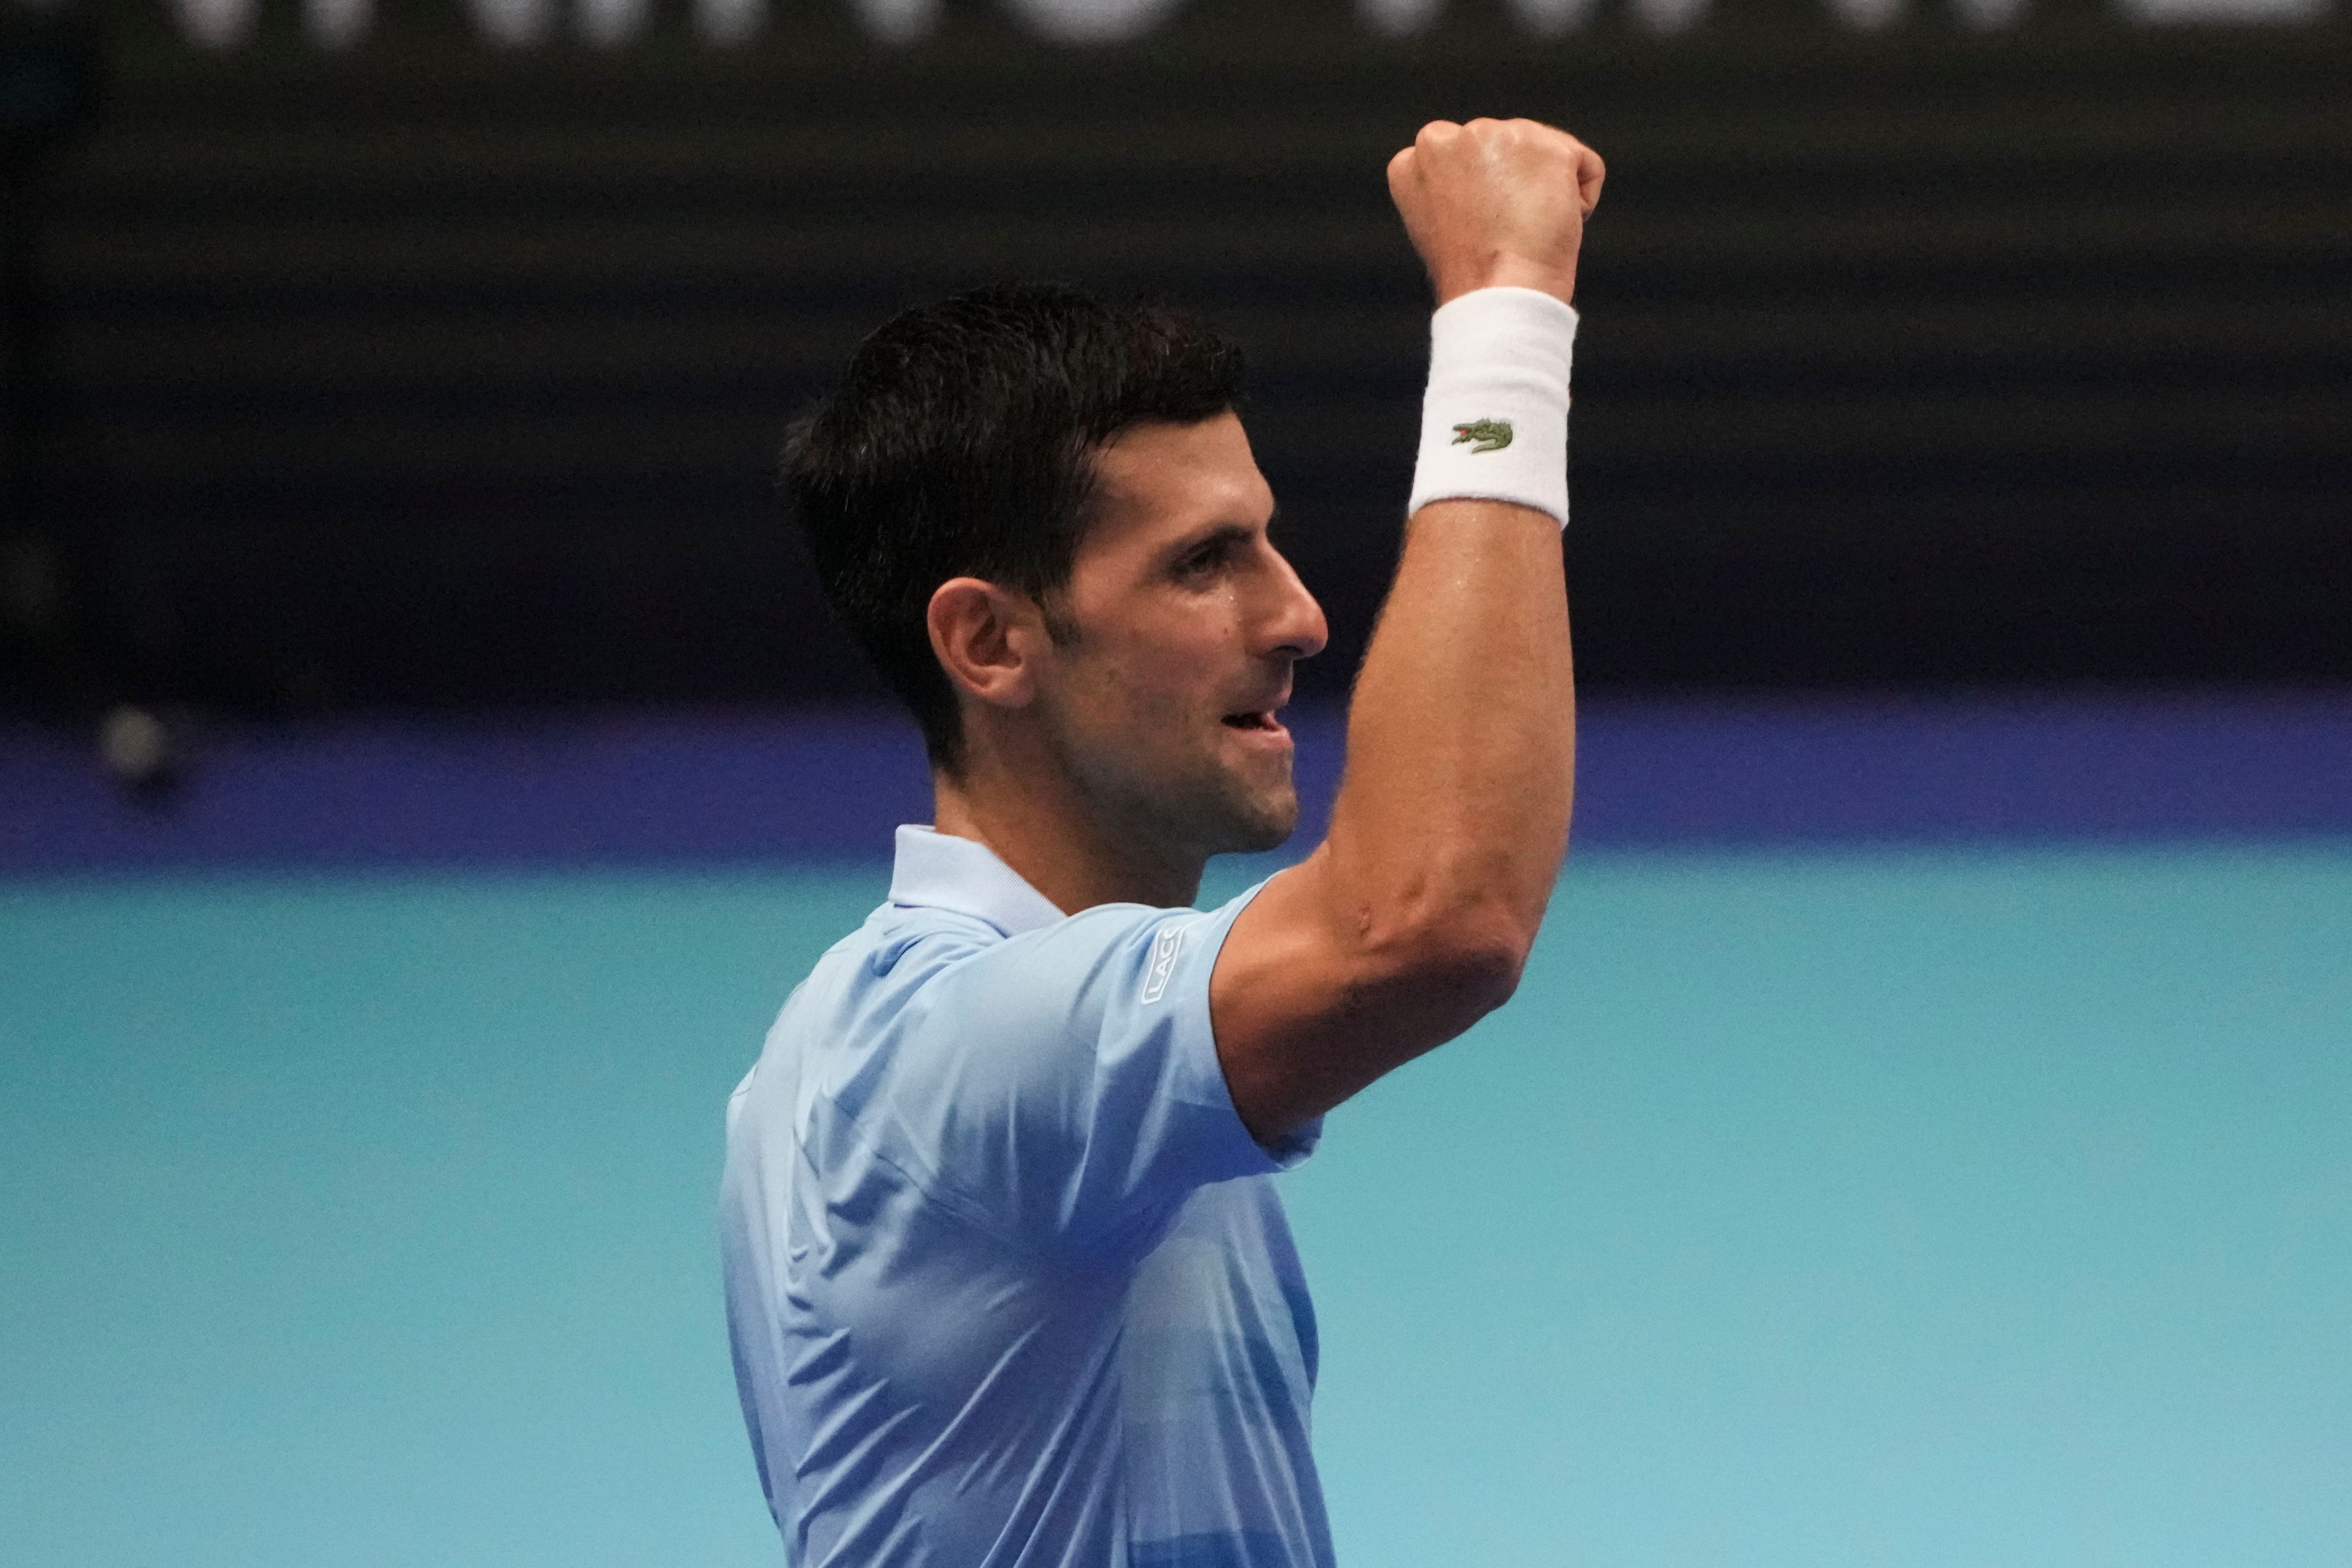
[1496, 202]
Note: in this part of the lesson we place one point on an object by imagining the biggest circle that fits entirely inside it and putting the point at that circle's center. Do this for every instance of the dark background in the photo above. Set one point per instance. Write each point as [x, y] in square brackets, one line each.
[430, 375]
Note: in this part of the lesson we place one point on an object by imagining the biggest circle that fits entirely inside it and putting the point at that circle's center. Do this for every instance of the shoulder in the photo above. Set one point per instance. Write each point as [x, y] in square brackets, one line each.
[913, 965]
[926, 1002]
[1068, 975]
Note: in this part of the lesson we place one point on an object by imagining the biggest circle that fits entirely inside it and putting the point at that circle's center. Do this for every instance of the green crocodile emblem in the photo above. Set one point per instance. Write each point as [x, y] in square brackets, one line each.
[1492, 435]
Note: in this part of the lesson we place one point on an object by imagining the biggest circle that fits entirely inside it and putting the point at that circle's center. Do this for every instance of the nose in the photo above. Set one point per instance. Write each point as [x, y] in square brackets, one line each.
[1295, 626]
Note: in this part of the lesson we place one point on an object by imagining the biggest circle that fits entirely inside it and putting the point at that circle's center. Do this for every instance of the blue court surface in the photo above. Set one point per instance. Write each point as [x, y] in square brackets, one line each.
[1900, 1206]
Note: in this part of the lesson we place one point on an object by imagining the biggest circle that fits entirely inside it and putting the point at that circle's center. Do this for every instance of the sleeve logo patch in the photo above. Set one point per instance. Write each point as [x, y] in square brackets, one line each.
[1492, 435]
[1164, 949]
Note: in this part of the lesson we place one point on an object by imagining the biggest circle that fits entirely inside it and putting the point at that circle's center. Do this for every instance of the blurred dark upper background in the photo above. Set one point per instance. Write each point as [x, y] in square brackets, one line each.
[359, 359]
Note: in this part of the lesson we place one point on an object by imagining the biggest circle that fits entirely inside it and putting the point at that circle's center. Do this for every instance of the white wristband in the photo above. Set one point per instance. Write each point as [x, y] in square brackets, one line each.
[1493, 426]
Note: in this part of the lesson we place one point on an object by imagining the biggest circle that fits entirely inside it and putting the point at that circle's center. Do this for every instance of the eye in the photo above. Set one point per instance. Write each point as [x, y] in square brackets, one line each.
[1205, 560]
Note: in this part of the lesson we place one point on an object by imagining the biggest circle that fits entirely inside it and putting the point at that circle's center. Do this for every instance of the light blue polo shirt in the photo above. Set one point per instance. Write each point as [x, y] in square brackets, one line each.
[1007, 1280]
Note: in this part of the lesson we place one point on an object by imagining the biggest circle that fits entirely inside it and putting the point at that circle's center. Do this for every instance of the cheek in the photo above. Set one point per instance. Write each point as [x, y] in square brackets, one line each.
[1164, 673]
[1158, 700]
[1117, 697]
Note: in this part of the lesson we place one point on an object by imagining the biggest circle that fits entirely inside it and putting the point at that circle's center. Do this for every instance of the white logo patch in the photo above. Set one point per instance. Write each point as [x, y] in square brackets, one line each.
[1164, 949]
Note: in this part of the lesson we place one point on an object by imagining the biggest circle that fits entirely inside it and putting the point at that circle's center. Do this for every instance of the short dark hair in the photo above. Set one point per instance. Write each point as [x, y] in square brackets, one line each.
[961, 442]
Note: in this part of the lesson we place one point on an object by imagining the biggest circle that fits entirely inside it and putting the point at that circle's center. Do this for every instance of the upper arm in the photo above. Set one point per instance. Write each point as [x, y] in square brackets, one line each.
[1314, 997]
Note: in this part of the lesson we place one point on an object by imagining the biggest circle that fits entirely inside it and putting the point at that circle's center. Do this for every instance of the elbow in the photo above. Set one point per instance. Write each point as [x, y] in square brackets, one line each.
[1481, 960]
[1464, 963]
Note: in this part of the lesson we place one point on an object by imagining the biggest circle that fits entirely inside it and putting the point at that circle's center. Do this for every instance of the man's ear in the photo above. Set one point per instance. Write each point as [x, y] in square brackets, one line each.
[987, 640]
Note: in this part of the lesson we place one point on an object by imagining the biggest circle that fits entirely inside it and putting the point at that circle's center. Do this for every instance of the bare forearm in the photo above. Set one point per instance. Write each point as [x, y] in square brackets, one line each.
[1462, 743]
[1414, 916]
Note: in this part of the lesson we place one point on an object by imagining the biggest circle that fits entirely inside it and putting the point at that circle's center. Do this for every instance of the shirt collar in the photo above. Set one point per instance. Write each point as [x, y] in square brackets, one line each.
[939, 872]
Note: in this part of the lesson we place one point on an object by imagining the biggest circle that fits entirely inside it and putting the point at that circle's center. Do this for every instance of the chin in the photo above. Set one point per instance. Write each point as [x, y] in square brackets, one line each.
[1214, 810]
[1263, 824]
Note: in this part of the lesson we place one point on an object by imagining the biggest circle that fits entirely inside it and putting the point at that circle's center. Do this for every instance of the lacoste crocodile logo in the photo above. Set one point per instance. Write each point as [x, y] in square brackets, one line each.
[1492, 435]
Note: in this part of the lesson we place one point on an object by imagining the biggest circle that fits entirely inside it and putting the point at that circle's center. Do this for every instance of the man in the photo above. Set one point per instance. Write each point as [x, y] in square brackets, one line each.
[1007, 1276]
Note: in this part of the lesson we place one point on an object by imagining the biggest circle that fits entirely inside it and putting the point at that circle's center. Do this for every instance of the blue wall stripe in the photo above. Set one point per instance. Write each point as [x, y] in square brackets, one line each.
[786, 785]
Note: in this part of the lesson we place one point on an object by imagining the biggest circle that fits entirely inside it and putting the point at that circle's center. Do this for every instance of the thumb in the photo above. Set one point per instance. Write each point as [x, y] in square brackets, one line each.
[1402, 169]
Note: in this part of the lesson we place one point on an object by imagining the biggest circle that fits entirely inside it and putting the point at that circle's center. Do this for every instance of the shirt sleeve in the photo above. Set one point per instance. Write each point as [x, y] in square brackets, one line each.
[1063, 1088]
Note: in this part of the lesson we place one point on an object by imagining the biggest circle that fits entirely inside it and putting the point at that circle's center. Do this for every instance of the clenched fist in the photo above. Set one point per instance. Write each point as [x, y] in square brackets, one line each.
[1496, 203]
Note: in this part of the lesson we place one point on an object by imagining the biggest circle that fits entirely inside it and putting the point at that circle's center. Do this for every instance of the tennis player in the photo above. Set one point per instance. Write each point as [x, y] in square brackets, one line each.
[1007, 1277]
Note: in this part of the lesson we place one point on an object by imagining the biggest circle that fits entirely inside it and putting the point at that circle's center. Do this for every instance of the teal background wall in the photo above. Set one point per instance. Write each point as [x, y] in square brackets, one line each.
[1918, 1207]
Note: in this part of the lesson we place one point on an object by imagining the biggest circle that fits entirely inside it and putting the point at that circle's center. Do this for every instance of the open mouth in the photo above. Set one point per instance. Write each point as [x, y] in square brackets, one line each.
[1262, 719]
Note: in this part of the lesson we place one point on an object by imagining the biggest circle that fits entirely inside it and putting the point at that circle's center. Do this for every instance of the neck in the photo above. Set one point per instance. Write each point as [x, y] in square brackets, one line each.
[1034, 817]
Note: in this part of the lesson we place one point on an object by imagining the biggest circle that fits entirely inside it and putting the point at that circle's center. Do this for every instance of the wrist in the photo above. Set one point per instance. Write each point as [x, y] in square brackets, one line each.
[1507, 272]
[1495, 418]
